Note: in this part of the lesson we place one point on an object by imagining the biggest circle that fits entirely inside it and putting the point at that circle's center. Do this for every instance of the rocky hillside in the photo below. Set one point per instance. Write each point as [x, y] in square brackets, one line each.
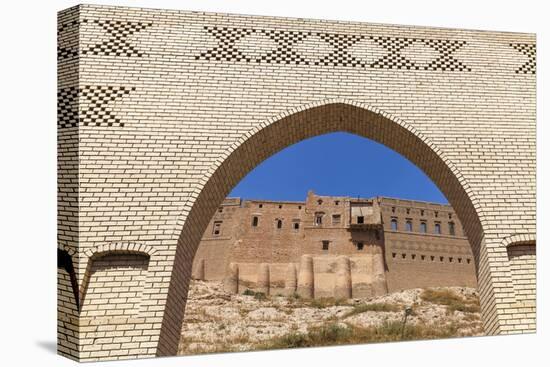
[216, 321]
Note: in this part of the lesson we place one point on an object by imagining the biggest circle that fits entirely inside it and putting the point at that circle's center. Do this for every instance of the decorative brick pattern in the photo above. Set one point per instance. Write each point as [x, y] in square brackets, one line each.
[68, 336]
[67, 107]
[95, 110]
[394, 59]
[118, 42]
[340, 55]
[195, 125]
[95, 101]
[285, 53]
[529, 50]
[67, 40]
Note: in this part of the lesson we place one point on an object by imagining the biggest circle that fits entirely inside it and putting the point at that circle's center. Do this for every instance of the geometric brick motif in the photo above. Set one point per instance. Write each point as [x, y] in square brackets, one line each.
[226, 49]
[284, 51]
[94, 101]
[394, 58]
[529, 50]
[445, 60]
[340, 55]
[67, 40]
[67, 107]
[118, 43]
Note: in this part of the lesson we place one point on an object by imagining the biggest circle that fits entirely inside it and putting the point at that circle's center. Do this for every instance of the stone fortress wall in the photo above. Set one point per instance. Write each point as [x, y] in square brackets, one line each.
[317, 249]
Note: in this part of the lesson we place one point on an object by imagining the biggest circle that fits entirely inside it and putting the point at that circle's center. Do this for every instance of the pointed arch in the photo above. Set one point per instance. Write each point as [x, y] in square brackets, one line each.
[287, 128]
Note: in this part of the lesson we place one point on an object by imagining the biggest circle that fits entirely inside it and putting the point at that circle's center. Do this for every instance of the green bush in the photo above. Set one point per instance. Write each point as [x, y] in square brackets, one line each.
[248, 292]
[257, 295]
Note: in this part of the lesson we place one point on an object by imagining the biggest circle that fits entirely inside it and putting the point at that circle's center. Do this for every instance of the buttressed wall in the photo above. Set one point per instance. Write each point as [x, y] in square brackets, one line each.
[358, 247]
[161, 113]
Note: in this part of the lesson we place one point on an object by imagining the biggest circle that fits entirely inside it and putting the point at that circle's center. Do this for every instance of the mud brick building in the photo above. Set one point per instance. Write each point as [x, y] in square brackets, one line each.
[379, 245]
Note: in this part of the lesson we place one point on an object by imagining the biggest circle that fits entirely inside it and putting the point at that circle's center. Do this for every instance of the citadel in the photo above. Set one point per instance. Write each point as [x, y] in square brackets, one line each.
[330, 246]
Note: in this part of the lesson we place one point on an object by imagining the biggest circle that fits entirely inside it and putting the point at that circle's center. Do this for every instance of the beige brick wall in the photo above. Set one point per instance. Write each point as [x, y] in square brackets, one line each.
[161, 113]
[115, 286]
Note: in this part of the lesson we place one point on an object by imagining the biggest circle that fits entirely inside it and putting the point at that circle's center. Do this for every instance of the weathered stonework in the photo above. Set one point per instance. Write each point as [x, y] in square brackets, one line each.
[399, 244]
[162, 112]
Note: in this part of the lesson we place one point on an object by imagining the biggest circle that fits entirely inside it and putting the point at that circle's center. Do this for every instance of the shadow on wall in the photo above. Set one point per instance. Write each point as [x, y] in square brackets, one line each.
[115, 279]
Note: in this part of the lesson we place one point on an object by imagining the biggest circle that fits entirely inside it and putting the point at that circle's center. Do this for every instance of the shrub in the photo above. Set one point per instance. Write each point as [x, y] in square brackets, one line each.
[337, 334]
[248, 292]
[453, 301]
[257, 295]
[376, 307]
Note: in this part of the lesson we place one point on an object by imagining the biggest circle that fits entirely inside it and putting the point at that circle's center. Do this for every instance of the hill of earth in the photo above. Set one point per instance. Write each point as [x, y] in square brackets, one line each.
[217, 321]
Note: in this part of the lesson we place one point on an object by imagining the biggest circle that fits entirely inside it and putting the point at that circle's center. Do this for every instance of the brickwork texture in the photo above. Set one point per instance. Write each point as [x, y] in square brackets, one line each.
[161, 113]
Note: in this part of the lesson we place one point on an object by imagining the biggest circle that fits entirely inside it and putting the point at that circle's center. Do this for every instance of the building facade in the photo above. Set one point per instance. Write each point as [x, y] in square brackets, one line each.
[375, 246]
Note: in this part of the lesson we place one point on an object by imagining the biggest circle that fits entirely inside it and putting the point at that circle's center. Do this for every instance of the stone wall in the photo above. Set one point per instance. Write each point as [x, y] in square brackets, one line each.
[411, 259]
[326, 276]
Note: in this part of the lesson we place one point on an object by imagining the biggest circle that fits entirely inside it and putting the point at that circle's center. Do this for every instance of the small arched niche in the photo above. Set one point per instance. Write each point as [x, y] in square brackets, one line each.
[114, 284]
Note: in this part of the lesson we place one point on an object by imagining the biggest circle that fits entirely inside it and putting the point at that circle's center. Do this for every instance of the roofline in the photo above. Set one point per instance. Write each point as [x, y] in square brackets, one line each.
[274, 201]
[415, 201]
[350, 198]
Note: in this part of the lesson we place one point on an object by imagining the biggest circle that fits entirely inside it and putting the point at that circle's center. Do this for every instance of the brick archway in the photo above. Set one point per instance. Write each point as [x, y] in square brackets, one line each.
[289, 128]
[161, 113]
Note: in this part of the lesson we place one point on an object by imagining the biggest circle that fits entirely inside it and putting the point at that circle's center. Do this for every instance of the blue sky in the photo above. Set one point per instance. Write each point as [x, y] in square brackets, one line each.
[337, 164]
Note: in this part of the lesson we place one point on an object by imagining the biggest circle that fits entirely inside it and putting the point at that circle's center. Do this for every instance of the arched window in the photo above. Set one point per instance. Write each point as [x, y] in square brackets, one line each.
[437, 228]
[451, 228]
[394, 224]
[408, 226]
[318, 219]
[255, 221]
[423, 227]
[279, 224]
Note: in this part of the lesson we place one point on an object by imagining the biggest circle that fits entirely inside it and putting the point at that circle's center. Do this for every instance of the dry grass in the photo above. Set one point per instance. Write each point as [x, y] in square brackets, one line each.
[320, 303]
[453, 301]
[333, 328]
[376, 307]
[229, 344]
[338, 334]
